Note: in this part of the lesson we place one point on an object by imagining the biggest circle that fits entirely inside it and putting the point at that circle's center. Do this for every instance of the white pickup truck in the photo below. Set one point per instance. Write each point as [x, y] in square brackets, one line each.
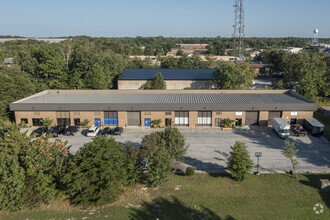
[281, 127]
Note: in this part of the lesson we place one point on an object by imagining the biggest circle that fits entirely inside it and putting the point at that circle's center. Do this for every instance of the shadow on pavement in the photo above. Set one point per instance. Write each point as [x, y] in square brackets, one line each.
[314, 150]
[204, 166]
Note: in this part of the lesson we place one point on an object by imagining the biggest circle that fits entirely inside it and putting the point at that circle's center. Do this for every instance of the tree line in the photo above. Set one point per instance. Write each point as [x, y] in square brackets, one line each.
[36, 170]
[307, 72]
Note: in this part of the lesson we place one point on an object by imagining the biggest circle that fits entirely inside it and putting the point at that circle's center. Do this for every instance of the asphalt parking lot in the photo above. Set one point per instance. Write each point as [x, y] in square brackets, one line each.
[209, 148]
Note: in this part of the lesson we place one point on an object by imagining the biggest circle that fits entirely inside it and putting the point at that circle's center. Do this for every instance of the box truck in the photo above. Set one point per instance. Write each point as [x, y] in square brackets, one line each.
[313, 126]
[281, 127]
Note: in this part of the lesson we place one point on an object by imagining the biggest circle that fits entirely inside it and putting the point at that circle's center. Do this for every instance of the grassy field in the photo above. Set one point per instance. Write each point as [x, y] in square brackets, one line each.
[324, 120]
[269, 196]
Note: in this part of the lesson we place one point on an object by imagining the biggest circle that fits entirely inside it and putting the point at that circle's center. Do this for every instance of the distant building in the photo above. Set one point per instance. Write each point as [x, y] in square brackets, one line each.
[174, 78]
[189, 49]
[262, 68]
[293, 49]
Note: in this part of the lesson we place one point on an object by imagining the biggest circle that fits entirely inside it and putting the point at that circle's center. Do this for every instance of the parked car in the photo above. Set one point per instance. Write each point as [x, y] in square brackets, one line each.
[57, 130]
[106, 131]
[93, 131]
[71, 130]
[117, 131]
[298, 130]
[39, 131]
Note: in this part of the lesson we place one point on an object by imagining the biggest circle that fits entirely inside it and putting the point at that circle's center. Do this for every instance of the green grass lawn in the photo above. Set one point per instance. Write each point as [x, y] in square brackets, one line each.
[269, 196]
[324, 120]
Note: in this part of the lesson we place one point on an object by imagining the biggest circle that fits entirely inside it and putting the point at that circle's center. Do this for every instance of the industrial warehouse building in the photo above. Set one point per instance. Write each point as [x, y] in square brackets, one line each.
[193, 108]
[174, 78]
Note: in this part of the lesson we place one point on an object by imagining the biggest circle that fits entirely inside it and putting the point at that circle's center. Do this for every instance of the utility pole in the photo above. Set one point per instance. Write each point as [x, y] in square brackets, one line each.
[239, 28]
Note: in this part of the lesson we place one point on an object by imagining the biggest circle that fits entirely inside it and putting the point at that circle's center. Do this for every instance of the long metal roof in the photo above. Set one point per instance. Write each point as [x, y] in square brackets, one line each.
[79, 100]
[168, 74]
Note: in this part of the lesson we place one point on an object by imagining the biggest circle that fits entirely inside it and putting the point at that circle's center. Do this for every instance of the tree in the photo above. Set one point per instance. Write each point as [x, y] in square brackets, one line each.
[157, 159]
[95, 78]
[179, 52]
[47, 122]
[307, 72]
[239, 162]
[233, 76]
[11, 182]
[133, 164]
[290, 151]
[97, 172]
[157, 83]
[45, 164]
[175, 143]
[277, 84]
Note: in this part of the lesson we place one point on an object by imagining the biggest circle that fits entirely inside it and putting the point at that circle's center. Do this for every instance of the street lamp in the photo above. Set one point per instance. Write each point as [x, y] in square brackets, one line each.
[258, 155]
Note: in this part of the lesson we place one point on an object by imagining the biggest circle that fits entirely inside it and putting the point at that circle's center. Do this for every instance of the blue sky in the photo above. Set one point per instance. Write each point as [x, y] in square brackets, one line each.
[175, 18]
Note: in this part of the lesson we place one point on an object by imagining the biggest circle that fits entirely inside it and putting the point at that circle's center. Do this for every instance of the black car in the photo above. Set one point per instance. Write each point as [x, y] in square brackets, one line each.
[39, 131]
[71, 130]
[117, 131]
[57, 130]
[298, 130]
[106, 131]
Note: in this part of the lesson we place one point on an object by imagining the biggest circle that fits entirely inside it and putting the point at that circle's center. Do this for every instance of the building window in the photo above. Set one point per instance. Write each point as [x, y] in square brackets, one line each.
[63, 121]
[111, 118]
[204, 118]
[181, 118]
[218, 113]
[36, 113]
[147, 113]
[24, 121]
[97, 113]
[76, 113]
[63, 117]
[168, 113]
[76, 121]
[37, 121]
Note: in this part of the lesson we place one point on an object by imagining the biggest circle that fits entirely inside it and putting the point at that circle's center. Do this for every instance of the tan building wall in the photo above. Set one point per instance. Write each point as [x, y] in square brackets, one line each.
[263, 118]
[156, 115]
[228, 114]
[299, 115]
[193, 116]
[170, 84]
[122, 118]
[34, 114]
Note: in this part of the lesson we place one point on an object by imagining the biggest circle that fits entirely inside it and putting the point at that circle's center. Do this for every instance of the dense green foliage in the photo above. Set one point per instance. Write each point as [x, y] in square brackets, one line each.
[32, 167]
[157, 83]
[158, 159]
[97, 173]
[11, 182]
[307, 72]
[175, 143]
[239, 163]
[190, 171]
[233, 76]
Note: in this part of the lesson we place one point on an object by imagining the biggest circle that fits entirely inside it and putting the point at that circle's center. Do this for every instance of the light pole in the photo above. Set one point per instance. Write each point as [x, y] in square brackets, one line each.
[258, 155]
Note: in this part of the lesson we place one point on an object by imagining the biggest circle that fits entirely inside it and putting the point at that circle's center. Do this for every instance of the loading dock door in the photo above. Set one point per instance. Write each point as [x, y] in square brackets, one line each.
[251, 118]
[133, 119]
[273, 114]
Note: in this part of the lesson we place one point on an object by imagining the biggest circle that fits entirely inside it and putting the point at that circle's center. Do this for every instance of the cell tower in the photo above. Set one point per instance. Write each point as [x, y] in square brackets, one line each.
[316, 36]
[239, 28]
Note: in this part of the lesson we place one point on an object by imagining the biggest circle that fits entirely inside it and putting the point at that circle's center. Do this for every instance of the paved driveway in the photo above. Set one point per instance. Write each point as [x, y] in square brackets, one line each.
[209, 148]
